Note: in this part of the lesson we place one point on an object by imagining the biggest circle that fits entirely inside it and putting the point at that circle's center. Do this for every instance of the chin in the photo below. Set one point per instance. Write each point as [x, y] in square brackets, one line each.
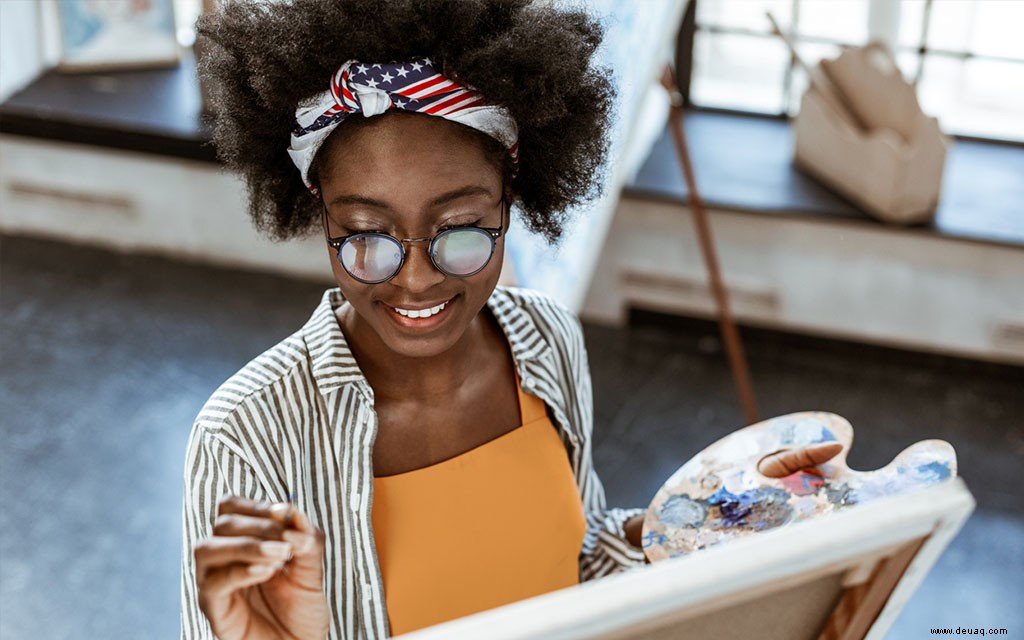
[424, 337]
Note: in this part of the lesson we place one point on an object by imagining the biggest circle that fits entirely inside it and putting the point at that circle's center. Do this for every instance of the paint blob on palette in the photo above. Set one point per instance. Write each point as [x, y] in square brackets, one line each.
[719, 495]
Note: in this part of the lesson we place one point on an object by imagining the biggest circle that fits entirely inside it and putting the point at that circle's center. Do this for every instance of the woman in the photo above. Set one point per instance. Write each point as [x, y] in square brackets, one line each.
[419, 394]
[421, 449]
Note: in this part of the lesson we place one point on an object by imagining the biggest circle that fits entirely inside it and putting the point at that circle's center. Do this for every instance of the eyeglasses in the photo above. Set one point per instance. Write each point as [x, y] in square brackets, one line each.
[459, 252]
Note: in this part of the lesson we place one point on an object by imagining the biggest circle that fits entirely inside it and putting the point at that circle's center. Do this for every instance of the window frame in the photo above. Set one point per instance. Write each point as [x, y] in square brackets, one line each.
[690, 26]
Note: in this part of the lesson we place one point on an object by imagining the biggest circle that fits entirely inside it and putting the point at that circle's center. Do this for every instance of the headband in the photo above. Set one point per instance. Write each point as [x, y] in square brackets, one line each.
[372, 89]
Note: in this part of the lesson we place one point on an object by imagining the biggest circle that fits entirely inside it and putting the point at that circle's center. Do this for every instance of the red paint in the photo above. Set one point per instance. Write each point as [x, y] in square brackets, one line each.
[802, 483]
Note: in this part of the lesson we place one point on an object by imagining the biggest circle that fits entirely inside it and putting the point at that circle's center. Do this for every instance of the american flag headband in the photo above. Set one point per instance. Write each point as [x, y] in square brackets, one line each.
[372, 89]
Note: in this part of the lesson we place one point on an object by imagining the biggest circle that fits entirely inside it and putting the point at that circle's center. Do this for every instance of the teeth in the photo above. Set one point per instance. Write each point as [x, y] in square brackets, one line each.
[421, 313]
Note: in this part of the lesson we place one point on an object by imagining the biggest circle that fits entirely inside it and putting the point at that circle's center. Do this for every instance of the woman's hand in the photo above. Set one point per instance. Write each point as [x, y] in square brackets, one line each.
[261, 573]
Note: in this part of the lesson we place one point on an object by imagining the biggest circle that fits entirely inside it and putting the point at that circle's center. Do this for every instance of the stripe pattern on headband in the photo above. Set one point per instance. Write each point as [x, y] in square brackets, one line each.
[372, 89]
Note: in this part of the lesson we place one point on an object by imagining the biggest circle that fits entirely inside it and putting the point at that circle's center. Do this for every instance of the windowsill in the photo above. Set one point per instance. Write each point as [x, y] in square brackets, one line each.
[743, 163]
[154, 111]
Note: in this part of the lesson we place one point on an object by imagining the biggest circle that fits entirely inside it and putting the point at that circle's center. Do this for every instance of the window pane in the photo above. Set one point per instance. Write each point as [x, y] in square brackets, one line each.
[982, 98]
[911, 23]
[185, 14]
[744, 14]
[738, 72]
[811, 53]
[841, 20]
[951, 24]
[987, 27]
[997, 29]
[908, 62]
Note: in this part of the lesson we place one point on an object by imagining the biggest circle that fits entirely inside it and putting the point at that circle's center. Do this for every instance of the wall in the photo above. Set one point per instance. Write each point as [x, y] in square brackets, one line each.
[21, 51]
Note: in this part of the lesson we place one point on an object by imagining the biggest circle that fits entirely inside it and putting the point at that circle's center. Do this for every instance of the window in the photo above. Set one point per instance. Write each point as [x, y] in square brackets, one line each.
[964, 56]
[186, 12]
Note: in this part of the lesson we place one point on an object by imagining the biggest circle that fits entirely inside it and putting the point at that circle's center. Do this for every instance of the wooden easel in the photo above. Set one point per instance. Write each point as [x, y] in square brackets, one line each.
[730, 334]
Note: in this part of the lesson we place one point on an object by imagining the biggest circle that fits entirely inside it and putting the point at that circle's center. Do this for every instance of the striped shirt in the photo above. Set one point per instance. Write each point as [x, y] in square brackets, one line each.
[298, 423]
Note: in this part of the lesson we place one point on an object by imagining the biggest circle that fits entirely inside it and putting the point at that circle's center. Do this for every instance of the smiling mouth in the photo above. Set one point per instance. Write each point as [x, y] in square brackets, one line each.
[417, 314]
[434, 310]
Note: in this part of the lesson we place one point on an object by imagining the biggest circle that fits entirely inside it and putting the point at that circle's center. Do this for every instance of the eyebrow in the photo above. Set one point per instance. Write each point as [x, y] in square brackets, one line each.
[472, 190]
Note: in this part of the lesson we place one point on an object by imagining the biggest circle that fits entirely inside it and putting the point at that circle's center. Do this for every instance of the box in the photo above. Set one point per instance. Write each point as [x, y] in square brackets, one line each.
[862, 133]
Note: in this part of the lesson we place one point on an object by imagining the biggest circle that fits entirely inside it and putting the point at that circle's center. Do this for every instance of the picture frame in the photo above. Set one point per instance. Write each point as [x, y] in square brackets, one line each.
[96, 35]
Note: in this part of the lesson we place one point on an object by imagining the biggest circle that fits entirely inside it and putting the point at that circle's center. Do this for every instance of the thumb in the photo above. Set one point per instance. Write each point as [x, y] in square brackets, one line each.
[306, 566]
[789, 461]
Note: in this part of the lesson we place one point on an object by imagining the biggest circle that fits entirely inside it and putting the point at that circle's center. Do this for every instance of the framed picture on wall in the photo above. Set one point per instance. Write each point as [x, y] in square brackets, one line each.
[112, 34]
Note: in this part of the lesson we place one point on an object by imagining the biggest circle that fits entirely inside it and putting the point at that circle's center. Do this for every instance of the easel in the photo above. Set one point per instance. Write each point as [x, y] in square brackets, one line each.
[730, 334]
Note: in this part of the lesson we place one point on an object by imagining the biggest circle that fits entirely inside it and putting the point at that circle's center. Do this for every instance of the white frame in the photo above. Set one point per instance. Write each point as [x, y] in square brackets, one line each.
[899, 538]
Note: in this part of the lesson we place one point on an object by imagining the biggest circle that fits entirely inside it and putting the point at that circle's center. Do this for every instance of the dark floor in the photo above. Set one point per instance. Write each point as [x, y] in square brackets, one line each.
[107, 359]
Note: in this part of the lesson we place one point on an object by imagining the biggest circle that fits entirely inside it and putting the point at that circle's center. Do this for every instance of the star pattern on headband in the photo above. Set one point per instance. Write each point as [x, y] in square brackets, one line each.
[412, 86]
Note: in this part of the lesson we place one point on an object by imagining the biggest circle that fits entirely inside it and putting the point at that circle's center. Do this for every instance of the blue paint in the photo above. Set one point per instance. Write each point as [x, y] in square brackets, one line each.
[825, 436]
[934, 471]
[682, 511]
[760, 508]
[652, 539]
[734, 508]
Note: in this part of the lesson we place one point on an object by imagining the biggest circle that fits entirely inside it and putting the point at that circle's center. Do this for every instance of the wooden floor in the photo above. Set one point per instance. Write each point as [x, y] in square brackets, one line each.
[107, 359]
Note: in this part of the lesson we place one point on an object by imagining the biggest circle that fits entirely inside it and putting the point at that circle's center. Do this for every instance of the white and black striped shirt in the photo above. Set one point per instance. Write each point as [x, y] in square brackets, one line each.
[298, 423]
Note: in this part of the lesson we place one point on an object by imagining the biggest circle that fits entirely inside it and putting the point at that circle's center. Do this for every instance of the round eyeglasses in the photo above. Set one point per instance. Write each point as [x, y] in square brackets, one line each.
[459, 252]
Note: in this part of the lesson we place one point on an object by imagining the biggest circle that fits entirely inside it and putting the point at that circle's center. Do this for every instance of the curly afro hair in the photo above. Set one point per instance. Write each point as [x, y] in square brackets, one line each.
[267, 57]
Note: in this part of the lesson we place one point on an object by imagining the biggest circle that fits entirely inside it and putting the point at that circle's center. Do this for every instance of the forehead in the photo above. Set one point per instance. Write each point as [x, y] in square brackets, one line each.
[388, 152]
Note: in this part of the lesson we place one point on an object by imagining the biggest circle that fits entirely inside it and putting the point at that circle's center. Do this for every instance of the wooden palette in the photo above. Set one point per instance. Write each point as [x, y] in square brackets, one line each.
[719, 495]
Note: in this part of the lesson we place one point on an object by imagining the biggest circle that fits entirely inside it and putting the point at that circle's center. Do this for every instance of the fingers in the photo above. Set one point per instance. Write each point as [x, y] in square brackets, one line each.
[237, 516]
[306, 567]
[240, 518]
[784, 463]
[217, 552]
[219, 586]
[269, 521]
[280, 512]
[226, 565]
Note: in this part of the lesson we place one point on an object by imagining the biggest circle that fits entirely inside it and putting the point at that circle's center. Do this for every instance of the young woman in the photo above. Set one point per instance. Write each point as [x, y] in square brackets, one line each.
[421, 449]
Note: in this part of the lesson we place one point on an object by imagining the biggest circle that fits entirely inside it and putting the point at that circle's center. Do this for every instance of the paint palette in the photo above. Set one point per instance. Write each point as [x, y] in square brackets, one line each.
[719, 495]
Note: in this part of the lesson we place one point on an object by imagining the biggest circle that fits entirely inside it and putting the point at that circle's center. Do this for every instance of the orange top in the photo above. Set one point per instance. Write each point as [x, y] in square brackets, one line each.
[496, 524]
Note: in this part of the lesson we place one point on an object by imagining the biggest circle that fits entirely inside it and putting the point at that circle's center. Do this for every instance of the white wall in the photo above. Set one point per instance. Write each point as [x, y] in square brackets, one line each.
[21, 52]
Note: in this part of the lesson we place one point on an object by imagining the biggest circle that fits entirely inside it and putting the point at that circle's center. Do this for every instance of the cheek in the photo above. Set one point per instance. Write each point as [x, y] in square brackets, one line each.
[350, 289]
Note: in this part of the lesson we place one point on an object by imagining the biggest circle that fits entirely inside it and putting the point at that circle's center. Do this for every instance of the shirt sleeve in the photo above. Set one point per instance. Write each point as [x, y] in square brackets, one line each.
[213, 468]
[605, 547]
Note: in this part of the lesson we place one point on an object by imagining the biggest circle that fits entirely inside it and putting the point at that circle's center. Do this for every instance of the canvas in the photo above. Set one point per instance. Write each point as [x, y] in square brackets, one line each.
[829, 554]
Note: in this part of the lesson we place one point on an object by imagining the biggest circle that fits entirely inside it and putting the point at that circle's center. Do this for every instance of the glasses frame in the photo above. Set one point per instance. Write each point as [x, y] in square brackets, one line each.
[493, 233]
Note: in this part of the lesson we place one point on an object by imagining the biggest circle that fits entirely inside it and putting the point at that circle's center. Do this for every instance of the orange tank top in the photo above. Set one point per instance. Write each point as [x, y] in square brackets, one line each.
[499, 523]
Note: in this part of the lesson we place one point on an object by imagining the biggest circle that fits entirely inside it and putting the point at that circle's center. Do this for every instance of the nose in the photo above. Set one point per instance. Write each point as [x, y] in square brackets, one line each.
[418, 274]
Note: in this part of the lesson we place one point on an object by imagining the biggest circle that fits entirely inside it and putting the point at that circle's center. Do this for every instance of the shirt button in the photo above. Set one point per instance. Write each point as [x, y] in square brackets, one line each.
[531, 383]
[355, 501]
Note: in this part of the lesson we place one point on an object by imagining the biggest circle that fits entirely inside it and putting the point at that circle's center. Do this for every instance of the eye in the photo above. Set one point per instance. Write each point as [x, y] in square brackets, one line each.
[353, 232]
[470, 221]
[456, 226]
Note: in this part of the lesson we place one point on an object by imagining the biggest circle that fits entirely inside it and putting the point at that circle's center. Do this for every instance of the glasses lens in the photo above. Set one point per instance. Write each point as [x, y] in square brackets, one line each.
[462, 252]
[371, 258]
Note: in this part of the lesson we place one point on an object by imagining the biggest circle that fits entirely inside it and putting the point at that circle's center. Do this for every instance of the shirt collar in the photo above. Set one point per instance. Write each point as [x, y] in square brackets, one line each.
[334, 365]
